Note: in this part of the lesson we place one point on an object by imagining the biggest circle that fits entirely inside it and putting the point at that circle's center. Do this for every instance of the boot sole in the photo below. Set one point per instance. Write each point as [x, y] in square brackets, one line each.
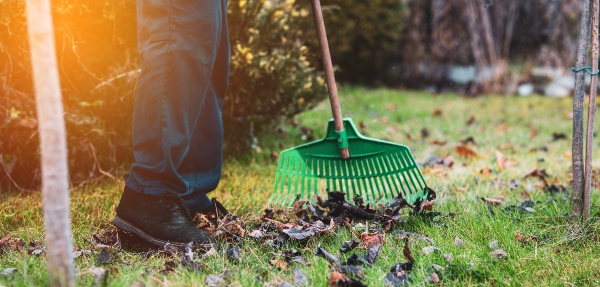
[127, 226]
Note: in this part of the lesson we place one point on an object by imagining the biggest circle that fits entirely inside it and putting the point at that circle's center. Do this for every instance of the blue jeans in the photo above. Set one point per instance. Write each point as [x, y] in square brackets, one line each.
[177, 126]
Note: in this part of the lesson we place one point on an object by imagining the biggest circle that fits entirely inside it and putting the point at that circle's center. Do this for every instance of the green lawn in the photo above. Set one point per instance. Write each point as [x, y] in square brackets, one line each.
[520, 128]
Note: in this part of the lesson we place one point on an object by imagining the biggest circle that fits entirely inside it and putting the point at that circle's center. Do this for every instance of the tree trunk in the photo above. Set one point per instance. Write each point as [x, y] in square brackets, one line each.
[55, 183]
[481, 62]
[577, 147]
[587, 188]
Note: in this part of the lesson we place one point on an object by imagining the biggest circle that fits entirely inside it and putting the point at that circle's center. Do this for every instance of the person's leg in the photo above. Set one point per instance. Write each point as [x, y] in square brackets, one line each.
[179, 43]
[178, 46]
[201, 167]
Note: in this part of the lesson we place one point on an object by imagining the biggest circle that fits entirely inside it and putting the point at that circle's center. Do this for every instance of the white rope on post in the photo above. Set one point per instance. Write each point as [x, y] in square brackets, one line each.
[55, 183]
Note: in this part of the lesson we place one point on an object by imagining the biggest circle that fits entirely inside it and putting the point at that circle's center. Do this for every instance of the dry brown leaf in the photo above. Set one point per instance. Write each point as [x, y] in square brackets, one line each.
[506, 146]
[337, 279]
[406, 251]
[465, 151]
[568, 154]
[492, 200]
[485, 171]
[436, 113]
[437, 142]
[500, 160]
[502, 129]
[536, 173]
[438, 170]
[390, 107]
[278, 263]
[471, 120]
[525, 196]
[363, 127]
[533, 133]
[427, 205]
[520, 237]
[464, 189]
[448, 161]
[372, 239]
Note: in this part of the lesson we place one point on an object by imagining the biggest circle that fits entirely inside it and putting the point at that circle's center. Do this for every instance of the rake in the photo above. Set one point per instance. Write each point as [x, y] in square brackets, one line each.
[345, 160]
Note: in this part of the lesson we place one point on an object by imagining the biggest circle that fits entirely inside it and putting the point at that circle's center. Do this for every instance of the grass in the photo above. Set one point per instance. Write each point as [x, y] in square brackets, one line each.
[565, 254]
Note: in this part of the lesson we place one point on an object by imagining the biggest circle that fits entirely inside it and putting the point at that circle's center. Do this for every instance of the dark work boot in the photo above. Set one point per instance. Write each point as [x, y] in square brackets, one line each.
[159, 219]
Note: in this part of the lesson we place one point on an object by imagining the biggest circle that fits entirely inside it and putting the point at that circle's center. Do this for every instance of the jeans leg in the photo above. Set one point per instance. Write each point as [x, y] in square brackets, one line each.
[179, 42]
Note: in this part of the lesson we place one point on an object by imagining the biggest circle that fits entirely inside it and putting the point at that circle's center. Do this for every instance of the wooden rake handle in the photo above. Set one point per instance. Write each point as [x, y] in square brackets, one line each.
[330, 79]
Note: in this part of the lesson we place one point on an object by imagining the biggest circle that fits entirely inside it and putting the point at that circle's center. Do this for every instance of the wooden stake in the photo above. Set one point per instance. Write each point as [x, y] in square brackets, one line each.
[577, 147]
[55, 183]
[591, 114]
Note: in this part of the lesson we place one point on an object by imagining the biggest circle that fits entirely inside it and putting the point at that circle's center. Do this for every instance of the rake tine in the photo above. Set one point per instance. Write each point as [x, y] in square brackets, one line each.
[370, 178]
[289, 180]
[386, 176]
[395, 177]
[335, 174]
[315, 177]
[405, 183]
[418, 188]
[302, 178]
[356, 181]
[381, 176]
[412, 178]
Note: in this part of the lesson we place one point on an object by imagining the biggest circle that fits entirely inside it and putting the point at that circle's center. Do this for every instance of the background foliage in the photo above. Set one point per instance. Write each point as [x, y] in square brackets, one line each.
[275, 71]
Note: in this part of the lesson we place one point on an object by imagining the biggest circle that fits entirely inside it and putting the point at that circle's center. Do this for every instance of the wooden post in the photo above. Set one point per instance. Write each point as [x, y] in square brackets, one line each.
[55, 183]
[591, 114]
[577, 147]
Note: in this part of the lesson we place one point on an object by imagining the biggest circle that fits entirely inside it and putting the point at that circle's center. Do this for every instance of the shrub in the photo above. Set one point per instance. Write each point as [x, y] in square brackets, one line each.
[96, 48]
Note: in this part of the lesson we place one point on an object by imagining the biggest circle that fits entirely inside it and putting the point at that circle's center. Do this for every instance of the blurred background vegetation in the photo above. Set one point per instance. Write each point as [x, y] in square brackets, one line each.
[466, 46]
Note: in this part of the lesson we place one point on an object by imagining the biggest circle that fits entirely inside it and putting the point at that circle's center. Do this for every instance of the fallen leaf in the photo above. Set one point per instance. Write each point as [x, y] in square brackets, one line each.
[502, 129]
[348, 245]
[298, 234]
[438, 142]
[429, 249]
[448, 161]
[215, 281]
[363, 127]
[493, 244]
[426, 205]
[500, 160]
[458, 242]
[390, 107]
[8, 272]
[353, 271]
[339, 279]
[436, 113]
[468, 140]
[492, 200]
[499, 253]
[525, 195]
[558, 136]
[520, 237]
[435, 278]
[471, 120]
[533, 133]
[449, 257]
[372, 253]
[372, 239]
[424, 133]
[536, 173]
[406, 251]
[485, 171]
[234, 254]
[355, 260]
[274, 156]
[278, 263]
[399, 274]
[104, 257]
[330, 257]
[465, 151]
[300, 278]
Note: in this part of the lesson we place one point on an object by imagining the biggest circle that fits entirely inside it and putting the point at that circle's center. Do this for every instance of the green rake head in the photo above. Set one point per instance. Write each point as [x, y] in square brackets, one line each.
[376, 170]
